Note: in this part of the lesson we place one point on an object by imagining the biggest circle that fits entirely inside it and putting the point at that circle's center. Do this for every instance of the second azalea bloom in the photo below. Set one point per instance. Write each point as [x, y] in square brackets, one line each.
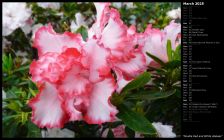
[155, 40]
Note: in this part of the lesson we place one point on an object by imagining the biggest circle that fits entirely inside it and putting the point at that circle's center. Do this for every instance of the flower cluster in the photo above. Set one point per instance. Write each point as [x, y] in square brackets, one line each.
[76, 78]
[174, 14]
[15, 15]
[53, 5]
[163, 131]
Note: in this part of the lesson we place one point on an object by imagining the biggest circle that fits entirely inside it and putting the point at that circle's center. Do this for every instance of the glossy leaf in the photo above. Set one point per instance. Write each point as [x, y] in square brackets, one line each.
[110, 134]
[151, 95]
[169, 50]
[83, 31]
[138, 82]
[155, 58]
[135, 121]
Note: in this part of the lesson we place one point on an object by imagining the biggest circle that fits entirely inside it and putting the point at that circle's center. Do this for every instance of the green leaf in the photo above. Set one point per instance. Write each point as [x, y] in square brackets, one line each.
[173, 64]
[135, 121]
[115, 124]
[23, 68]
[83, 31]
[155, 58]
[26, 108]
[24, 117]
[7, 63]
[110, 134]
[177, 53]
[33, 130]
[169, 50]
[33, 92]
[9, 130]
[178, 93]
[151, 95]
[13, 105]
[138, 82]
[6, 119]
[130, 133]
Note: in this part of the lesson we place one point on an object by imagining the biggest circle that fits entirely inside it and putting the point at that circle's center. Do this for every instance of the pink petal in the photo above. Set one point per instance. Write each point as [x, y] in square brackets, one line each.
[131, 30]
[121, 81]
[45, 69]
[75, 81]
[46, 40]
[47, 109]
[102, 16]
[172, 31]
[100, 109]
[95, 58]
[102, 10]
[52, 66]
[70, 104]
[132, 34]
[114, 35]
[154, 44]
[133, 66]
[119, 132]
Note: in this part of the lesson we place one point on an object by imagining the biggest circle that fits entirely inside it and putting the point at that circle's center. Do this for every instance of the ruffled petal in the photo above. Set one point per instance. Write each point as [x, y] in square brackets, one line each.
[132, 34]
[46, 40]
[102, 16]
[132, 67]
[45, 69]
[95, 58]
[114, 35]
[69, 106]
[154, 44]
[75, 81]
[47, 108]
[52, 66]
[121, 81]
[100, 109]
[102, 9]
[155, 40]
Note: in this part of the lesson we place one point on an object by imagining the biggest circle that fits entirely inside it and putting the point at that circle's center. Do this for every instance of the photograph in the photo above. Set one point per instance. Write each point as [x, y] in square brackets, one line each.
[91, 69]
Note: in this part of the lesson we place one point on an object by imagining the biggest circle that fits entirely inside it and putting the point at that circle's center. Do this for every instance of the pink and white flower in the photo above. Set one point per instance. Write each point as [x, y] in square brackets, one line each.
[75, 77]
[154, 40]
[15, 15]
[66, 83]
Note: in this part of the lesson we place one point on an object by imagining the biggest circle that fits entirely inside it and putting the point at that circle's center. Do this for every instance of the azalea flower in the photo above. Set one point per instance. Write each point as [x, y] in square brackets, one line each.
[175, 13]
[34, 29]
[130, 5]
[67, 85]
[79, 22]
[126, 60]
[164, 131]
[118, 132]
[154, 41]
[15, 15]
[77, 78]
[52, 5]
[118, 5]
